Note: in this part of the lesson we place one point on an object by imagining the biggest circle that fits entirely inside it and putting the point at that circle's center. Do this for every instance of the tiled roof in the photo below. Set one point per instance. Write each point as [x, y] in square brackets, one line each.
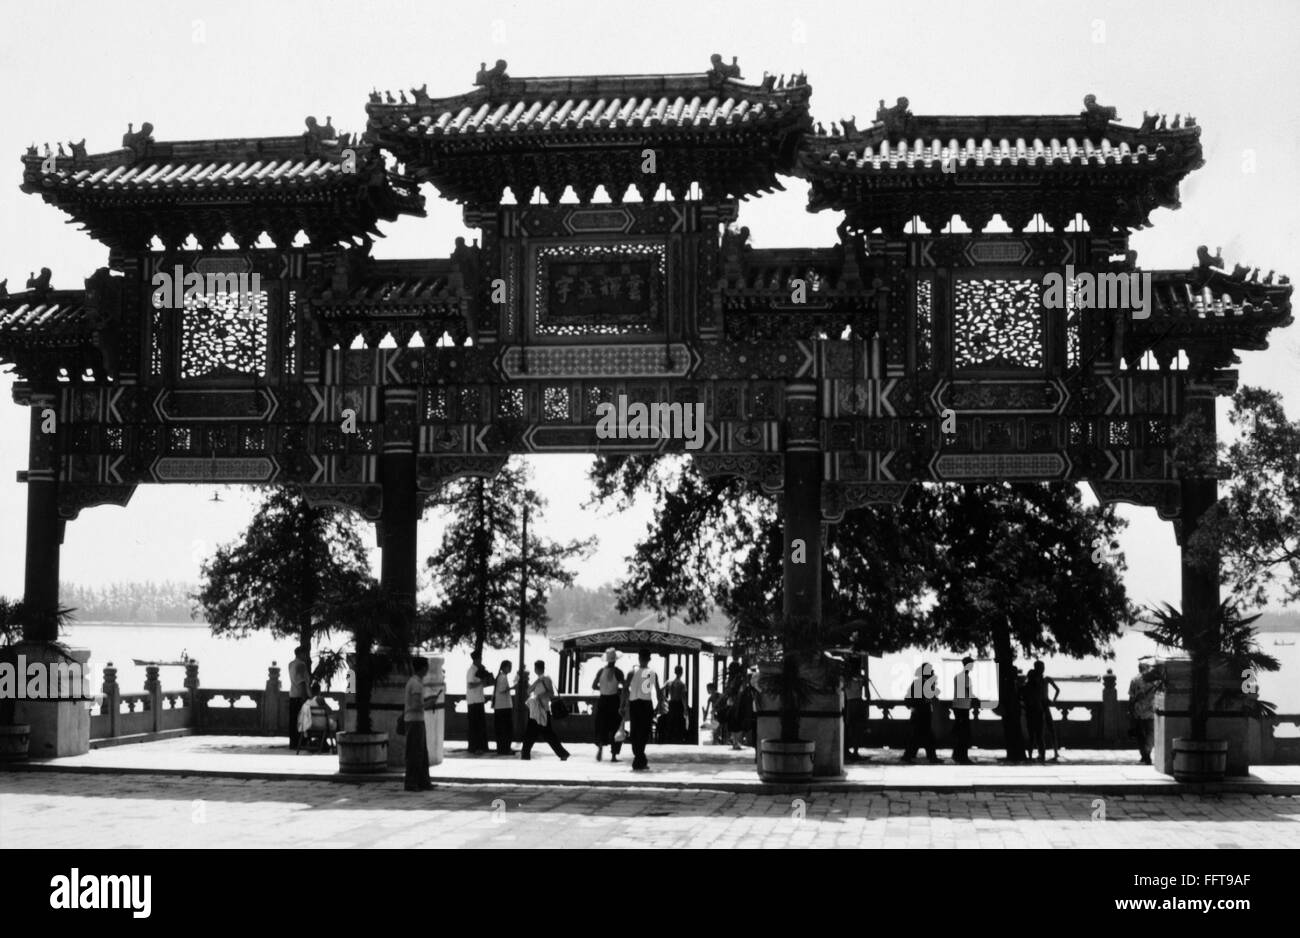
[205, 166]
[938, 143]
[1213, 294]
[975, 154]
[395, 287]
[385, 295]
[634, 103]
[54, 317]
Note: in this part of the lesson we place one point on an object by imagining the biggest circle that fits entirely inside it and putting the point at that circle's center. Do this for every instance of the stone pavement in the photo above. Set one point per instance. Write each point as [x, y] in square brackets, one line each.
[67, 810]
[673, 767]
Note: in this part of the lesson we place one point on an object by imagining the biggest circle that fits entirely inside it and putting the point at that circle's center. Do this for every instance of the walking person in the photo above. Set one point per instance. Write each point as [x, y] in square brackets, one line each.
[540, 725]
[712, 721]
[963, 701]
[299, 688]
[919, 694]
[1141, 710]
[476, 682]
[675, 694]
[503, 717]
[417, 745]
[609, 684]
[738, 707]
[1049, 725]
[642, 693]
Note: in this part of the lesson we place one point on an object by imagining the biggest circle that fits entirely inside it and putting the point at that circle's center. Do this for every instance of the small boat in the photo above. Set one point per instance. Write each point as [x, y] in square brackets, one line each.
[1278, 641]
[185, 659]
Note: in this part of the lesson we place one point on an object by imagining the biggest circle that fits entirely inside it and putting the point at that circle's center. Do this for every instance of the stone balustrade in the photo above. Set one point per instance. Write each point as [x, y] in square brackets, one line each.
[1080, 724]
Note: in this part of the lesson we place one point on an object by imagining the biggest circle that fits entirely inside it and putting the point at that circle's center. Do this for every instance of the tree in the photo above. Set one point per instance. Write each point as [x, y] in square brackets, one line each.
[279, 574]
[718, 541]
[479, 560]
[1255, 526]
[1016, 569]
[980, 566]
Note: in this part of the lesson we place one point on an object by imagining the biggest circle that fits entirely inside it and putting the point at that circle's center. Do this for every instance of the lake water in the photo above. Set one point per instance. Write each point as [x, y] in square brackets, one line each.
[242, 663]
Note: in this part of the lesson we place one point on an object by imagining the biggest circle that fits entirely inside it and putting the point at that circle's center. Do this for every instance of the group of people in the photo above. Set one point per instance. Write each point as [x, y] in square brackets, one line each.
[625, 710]
[304, 694]
[1035, 691]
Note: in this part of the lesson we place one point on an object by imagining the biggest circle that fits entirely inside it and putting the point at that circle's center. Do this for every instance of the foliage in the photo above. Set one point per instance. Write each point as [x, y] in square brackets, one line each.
[381, 625]
[480, 560]
[804, 669]
[1226, 637]
[14, 614]
[278, 573]
[1223, 637]
[135, 603]
[716, 541]
[1015, 570]
[1255, 526]
[1001, 567]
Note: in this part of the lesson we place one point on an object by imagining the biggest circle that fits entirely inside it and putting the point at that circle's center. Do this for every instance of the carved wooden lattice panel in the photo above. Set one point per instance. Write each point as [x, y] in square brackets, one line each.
[924, 324]
[224, 334]
[997, 324]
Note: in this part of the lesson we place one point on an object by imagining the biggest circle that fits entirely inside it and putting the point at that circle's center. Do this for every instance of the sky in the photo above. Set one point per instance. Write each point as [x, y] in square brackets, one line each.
[203, 70]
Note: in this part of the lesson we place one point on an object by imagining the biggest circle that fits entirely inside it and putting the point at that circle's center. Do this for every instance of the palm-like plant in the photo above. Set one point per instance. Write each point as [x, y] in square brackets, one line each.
[1224, 637]
[377, 619]
[14, 615]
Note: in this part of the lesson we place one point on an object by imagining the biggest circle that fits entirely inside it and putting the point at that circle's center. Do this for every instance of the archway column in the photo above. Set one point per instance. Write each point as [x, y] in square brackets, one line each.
[822, 719]
[59, 726]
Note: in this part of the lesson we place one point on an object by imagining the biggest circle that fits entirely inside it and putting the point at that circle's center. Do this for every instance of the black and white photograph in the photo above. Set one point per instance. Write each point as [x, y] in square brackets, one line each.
[661, 426]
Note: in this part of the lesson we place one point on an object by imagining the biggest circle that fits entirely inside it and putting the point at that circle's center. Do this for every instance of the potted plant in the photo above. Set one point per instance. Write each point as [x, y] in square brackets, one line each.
[1220, 645]
[15, 737]
[380, 626]
[797, 674]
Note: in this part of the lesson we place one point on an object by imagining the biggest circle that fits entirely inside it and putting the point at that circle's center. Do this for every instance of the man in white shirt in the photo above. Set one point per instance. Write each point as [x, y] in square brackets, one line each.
[299, 677]
[417, 746]
[643, 695]
[963, 700]
[476, 700]
[502, 712]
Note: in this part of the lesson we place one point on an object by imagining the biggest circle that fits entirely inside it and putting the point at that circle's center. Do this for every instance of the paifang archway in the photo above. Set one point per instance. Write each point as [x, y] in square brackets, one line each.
[835, 375]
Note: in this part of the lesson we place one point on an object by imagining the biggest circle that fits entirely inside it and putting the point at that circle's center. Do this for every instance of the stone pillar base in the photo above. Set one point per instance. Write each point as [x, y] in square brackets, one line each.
[61, 722]
[821, 722]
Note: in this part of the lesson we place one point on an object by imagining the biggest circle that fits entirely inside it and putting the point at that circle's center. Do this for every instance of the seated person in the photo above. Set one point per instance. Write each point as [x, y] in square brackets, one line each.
[317, 699]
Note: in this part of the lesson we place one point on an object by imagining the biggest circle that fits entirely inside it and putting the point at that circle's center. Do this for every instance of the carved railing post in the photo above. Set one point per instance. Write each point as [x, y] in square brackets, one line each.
[273, 703]
[153, 687]
[112, 697]
[1112, 716]
[192, 688]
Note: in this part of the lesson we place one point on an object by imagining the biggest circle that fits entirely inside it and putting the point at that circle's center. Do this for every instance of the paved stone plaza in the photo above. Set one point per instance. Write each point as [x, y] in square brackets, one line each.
[39, 809]
[215, 791]
[1112, 771]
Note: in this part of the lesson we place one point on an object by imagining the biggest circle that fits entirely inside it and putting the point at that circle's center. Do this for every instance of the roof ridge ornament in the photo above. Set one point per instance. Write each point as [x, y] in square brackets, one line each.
[138, 141]
[40, 285]
[1096, 116]
[493, 79]
[720, 72]
[897, 118]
